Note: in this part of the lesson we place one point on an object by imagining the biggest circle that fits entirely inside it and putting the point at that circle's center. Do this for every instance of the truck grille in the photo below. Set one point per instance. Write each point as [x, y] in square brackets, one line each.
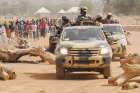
[83, 52]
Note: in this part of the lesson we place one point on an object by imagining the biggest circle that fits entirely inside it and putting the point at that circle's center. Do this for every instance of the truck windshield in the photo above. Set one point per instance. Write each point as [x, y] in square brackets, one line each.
[113, 29]
[83, 34]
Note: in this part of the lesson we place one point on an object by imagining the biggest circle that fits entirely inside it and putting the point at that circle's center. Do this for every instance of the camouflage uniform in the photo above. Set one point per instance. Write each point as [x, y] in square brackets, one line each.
[65, 23]
[53, 39]
[99, 20]
[110, 20]
[83, 19]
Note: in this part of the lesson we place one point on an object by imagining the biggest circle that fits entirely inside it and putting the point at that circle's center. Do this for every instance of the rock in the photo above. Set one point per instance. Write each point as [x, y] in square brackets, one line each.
[130, 85]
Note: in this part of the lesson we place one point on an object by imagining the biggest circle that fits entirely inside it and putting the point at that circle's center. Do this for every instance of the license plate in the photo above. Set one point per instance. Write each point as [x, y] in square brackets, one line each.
[83, 58]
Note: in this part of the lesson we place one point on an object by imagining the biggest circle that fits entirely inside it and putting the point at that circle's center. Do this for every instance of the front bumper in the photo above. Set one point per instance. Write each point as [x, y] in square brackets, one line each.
[117, 50]
[84, 61]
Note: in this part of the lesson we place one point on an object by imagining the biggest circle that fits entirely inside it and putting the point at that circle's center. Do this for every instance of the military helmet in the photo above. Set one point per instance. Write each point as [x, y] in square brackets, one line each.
[99, 16]
[109, 15]
[64, 18]
[84, 9]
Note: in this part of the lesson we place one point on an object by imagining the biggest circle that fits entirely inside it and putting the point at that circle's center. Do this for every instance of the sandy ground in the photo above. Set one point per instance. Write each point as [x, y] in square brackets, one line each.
[129, 20]
[41, 78]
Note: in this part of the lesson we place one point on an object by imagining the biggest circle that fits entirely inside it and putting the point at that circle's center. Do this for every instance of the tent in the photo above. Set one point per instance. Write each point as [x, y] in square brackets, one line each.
[73, 10]
[62, 11]
[42, 10]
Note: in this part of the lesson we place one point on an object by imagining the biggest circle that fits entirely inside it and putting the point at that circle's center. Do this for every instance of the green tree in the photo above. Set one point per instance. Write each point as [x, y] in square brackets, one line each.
[88, 4]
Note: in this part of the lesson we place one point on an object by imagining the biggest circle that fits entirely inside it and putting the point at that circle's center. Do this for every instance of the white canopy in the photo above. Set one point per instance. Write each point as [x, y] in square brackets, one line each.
[73, 10]
[62, 11]
[43, 10]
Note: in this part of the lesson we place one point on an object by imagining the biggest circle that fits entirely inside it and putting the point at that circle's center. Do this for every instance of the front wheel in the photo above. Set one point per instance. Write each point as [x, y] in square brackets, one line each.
[52, 47]
[60, 71]
[107, 72]
[124, 52]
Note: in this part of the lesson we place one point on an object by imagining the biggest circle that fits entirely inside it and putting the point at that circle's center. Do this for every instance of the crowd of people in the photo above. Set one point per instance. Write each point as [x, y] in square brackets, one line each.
[36, 28]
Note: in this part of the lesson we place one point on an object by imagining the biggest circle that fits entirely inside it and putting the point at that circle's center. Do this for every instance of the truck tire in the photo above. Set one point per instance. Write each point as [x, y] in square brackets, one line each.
[52, 47]
[60, 71]
[107, 72]
[124, 52]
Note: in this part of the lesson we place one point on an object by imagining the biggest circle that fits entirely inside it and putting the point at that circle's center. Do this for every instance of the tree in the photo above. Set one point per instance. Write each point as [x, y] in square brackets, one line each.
[124, 6]
[137, 7]
[88, 4]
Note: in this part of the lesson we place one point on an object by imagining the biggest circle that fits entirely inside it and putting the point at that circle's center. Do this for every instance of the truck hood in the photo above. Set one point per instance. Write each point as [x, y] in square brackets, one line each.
[122, 39]
[118, 36]
[84, 44]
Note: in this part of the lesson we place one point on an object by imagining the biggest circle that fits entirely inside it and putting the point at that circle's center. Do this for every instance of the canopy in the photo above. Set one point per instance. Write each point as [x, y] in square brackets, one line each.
[62, 11]
[43, 10]
[73, 10]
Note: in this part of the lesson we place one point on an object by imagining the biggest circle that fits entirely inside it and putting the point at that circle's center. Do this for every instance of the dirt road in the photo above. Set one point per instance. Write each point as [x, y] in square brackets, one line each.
[40, 78]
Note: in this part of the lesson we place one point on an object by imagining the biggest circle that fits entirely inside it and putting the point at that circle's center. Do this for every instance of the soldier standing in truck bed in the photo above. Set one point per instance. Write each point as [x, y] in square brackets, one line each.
[65, 23]
[110, 20]
[99, 20]
[83, 16]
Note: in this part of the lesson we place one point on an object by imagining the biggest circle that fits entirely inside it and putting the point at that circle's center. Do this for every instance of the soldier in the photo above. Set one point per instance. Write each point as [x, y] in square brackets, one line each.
[99, 20]
[82, 16]
[53, 39]
[109, 19]
[65, 23]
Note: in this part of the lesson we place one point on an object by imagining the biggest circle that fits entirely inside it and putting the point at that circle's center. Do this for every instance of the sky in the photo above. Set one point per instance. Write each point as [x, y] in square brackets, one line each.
[53, 2]
[35, 4]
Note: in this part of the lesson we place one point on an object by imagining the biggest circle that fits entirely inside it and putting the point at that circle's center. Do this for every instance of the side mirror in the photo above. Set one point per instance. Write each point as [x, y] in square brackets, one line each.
[126, 33]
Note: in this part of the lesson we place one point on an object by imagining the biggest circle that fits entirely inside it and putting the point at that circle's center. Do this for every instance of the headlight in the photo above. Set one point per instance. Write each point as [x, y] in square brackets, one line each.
[104, 51]
[64, 51]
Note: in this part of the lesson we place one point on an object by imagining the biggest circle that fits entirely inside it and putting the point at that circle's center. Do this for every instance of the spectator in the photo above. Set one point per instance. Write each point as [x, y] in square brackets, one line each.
[8, 32]
[42, 27]
[2, 34]
[46, 28]
[27, 29]
[34, 30]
